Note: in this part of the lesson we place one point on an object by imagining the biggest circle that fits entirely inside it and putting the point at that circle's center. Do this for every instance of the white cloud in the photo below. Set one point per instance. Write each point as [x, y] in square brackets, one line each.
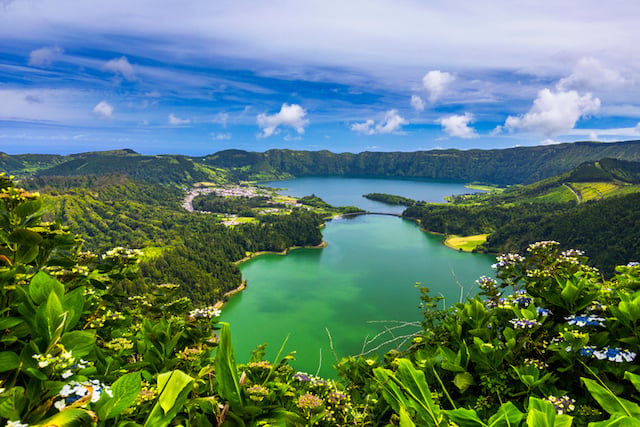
[364, 127]
[177, 121]
[120, 66]
[45, 56]
[458, 125]
[103, 109]
[221, 118]
[554, 113]
[436, 82]
[417, 103]
[219, 136]
[589, 73]
[391, 123]
[290, 115]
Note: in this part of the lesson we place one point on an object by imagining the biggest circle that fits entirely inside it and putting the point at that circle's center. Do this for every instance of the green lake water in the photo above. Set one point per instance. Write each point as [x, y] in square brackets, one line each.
[361, 284]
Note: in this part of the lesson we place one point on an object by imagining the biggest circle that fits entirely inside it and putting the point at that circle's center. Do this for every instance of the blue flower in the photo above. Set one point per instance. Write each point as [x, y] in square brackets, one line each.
[583, 320]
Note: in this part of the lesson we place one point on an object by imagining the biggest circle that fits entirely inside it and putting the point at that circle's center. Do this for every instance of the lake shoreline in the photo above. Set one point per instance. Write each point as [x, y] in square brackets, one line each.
[220, 303]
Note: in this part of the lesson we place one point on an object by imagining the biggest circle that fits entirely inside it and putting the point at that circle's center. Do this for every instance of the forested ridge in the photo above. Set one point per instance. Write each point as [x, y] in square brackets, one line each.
[498, 166]
[190, 249]
[605, 226]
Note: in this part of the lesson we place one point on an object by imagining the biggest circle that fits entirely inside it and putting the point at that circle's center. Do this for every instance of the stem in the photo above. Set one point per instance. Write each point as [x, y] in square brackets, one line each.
[443, 388]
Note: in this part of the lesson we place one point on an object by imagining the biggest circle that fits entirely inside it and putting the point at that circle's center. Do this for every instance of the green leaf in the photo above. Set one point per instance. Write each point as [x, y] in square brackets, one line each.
[73, 302]
[610, 402]
[175, 387]
[508, 415]
[226, 371]
[634, 378]
[540, 413]
[68, 418]
[465, 417]
[463, 381]
[42, 285]
[79, 343]
[8, 361]
[172, 384]
[405, 419]
[54, 316]
[616, 421]
[125, 391]
[9, 322]
[11, 402]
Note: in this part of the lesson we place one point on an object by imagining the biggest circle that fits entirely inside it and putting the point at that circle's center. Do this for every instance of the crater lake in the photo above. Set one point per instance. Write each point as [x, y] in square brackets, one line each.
[357, 293]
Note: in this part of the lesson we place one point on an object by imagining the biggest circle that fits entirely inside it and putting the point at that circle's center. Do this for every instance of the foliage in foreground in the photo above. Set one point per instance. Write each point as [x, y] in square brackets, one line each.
[560, 349]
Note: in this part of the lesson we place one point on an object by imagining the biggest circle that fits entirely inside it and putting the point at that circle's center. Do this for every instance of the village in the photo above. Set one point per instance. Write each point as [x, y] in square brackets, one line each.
[239, 192]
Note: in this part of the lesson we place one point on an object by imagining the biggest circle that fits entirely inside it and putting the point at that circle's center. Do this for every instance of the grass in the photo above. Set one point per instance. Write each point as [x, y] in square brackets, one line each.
[465, 243]
[485, 187]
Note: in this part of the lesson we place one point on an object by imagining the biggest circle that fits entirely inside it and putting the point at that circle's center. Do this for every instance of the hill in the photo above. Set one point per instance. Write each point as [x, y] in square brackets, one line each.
[595, 207]
[520, 165]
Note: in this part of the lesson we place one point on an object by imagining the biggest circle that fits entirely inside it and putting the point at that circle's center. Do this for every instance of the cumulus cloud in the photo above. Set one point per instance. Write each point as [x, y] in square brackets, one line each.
[391, 123]
[436, 82]
[458, 125]
[103, 109]
[120, 66]
[417, 103]
[290, 115]
[589, 73]
[554, 113]
[45, 56]
[221, 119]
[177, 121]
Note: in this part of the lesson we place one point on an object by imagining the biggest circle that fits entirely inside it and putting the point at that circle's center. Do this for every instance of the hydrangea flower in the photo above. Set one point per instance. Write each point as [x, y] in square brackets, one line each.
[74, 391]
[522, 298]
[486, 283]
[207, 312]
[582, 320]
[562, 404]
[544, 312]
[524, 323]
[309, 401]
[257, 393]
[507, 260]
[608, 353]
[302, 377]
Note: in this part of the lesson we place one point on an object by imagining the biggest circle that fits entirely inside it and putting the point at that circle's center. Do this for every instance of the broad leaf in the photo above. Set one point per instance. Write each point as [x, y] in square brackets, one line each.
[8, 361]
[465, 417]
[226, 371]
[508, 415]
[42, 285]
[611, 403]
[125, 391]
[175, 387]
[79, 343]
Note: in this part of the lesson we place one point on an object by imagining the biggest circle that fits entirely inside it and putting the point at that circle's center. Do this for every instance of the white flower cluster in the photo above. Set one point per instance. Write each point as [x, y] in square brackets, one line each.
[210, 311]
[507, 260]
[545, 244]
[74, 391]
[61, 362]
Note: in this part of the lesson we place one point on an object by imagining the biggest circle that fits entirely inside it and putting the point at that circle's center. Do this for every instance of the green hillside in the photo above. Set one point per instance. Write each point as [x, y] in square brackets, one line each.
[595, 207]
[520, 165]
[507, 166]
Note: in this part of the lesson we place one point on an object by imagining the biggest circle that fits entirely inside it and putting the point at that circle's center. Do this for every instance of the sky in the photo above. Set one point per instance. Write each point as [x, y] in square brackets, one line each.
[195, 77]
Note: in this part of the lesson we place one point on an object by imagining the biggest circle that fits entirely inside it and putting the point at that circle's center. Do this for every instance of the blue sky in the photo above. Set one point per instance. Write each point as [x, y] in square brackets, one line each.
[200, 76]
